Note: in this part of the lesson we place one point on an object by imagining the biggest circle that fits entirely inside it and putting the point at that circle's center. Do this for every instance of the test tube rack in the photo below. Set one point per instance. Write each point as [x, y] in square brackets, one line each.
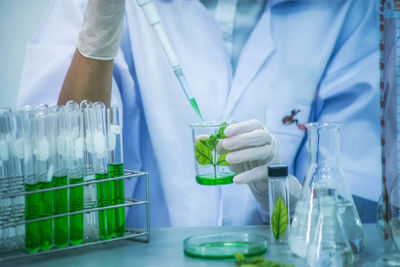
[15, 218]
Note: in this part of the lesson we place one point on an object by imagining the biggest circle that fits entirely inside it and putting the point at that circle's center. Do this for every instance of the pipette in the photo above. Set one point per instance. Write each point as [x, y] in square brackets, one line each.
[154, 20]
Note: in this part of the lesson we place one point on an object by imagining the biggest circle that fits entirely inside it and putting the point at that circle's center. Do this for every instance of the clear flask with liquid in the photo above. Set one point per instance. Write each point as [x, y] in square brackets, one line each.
[329, 245]
[324, 169]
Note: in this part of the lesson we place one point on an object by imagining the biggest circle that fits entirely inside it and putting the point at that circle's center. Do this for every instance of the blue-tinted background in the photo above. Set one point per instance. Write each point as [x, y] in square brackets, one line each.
[19, 20]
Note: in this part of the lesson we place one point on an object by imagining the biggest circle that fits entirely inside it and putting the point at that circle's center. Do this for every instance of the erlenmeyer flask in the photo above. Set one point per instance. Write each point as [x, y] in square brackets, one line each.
[324, 168]
[329, 245]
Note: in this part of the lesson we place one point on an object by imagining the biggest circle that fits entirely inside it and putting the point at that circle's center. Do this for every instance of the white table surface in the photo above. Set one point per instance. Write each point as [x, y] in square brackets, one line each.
[166, 249]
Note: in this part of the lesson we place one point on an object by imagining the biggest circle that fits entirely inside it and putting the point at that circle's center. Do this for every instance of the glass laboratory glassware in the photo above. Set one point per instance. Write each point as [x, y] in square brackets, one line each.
[75, 171]
[324, 165]
[116, 165]
[388, 206]
[279, 208]
[32, 202]
[44, 141]
[329, 245]
[61, 228]
[105, 191]
[6, 139]
[210, 164]
[91, 226]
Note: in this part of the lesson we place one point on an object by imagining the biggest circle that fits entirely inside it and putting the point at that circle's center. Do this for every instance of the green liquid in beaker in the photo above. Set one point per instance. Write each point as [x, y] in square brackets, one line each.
[32, 230]
[211, 179]
[46, 209]
[60, 207]
[105, 197]
[76, 204]
[117, 170]
[193, 103]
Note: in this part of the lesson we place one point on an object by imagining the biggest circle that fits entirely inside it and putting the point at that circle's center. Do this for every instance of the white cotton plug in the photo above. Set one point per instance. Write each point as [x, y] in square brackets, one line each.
[78, 147]
[44, 150]
[61, 145]
[89, 142]
[18, 148]
[111, 141]
[116, 129]
[4, 150]
[27, 151]
[50, 172]
[99, 141]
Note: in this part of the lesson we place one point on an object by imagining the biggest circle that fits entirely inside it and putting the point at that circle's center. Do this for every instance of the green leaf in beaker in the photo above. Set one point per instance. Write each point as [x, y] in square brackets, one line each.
[279, 219]
[203, 153]
[220, 133]
[211, 142]
[221, 161]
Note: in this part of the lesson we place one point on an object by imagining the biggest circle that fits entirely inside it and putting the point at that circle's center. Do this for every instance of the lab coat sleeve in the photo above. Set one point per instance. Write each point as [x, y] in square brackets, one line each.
[47, 59]
[49, 54]
[349, 94]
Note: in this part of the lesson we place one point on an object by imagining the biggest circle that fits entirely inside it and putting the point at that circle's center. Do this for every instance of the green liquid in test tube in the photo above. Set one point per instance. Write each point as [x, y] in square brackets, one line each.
[60, 207]
[24, 119]
[32, 230]
[105, 191]
[75, 170]
[117, 170]
[105, 196]
[46, 206]
[116, 166]
[76, 204]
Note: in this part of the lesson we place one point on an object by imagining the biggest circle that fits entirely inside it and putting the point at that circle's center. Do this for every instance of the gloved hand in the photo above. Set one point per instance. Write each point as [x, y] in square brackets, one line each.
[252, 148]
[101, 31]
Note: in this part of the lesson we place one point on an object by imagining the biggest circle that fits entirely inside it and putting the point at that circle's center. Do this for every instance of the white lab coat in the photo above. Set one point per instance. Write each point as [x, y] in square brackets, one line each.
[316, 56]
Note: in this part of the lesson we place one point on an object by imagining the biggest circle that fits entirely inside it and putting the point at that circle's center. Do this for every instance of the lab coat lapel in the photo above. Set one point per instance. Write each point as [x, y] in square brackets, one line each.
[256, 51]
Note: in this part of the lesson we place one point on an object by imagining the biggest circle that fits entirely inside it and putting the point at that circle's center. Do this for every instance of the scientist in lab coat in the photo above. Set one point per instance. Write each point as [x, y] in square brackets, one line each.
[271, 65]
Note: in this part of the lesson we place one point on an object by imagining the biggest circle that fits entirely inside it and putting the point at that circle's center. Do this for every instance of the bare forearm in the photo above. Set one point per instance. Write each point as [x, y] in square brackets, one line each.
[87, 79]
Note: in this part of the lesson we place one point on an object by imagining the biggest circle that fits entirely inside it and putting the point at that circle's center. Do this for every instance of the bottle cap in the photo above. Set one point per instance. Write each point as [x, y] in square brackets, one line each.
[277, 170]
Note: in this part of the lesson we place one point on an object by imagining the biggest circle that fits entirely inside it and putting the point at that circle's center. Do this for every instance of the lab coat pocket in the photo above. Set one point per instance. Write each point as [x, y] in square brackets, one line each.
[286, 121]
[286, 118]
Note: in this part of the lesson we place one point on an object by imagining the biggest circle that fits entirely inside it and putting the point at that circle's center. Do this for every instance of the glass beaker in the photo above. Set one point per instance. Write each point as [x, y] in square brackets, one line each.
[211, 166]
[329, 245]
[324, 169]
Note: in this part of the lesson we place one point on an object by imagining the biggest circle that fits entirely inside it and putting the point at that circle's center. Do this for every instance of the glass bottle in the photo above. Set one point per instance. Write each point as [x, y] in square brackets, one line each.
[324, 168]
[279, 209]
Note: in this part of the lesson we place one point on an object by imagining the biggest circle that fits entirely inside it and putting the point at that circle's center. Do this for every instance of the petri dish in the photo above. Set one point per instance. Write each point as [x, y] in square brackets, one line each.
[224, 245]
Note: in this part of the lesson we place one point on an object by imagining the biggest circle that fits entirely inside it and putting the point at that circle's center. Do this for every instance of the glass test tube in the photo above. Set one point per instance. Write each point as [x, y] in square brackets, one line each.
[75, 172]
[32, 230]
[44, 138]
[61, 228]
[6, 172]
[105, 191]
[91, 229]
[22, 126]
[116, 165]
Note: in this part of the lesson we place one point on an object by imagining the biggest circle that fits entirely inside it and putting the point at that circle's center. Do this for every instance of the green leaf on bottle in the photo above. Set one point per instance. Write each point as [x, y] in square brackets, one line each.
[221, 161]
[279, 219]
[203, 153]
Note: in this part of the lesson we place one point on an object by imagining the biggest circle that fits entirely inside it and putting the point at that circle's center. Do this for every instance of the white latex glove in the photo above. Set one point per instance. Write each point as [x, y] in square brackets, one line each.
[252, 148]
[101, 31]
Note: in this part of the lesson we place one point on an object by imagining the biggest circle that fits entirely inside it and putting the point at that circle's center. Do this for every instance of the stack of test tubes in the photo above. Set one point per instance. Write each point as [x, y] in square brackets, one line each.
[48, 147]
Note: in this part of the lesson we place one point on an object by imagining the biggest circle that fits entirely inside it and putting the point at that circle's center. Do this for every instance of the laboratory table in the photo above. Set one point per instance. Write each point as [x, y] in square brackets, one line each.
[166, 249]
